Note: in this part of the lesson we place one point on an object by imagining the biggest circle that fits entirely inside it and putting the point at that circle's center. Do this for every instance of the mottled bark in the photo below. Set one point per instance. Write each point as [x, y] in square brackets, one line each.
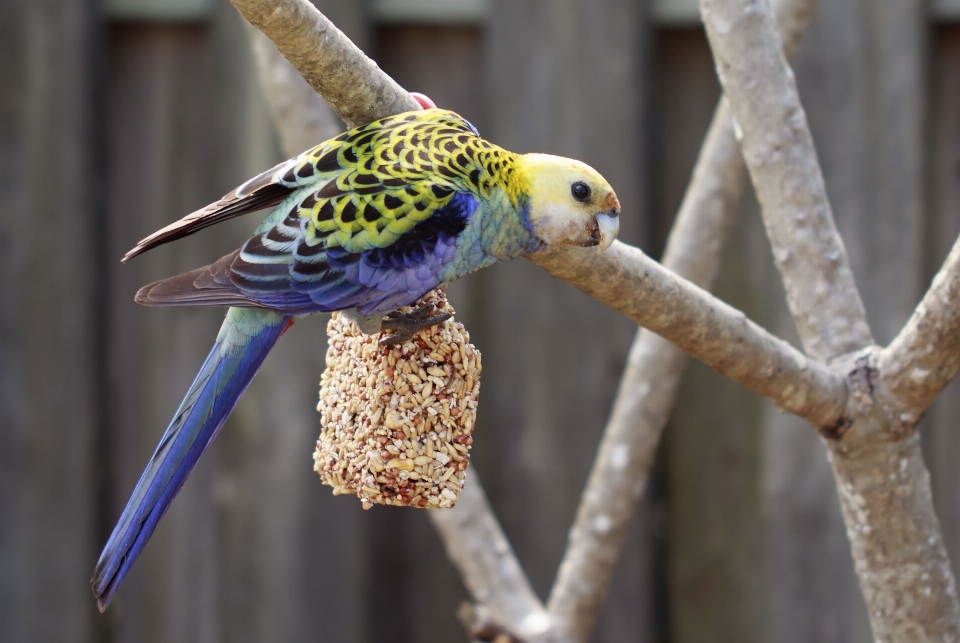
[779, 152]
[352, 83]
[482, 554]
[722, 337]
[925, 356]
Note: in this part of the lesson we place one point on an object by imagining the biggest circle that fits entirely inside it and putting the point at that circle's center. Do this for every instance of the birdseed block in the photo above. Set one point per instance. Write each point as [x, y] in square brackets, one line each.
[397, 421]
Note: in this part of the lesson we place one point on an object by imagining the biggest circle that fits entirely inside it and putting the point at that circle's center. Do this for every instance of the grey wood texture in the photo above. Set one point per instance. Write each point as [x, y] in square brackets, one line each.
[712, 443]
[941, 437]
[48, 334]
[159, 10]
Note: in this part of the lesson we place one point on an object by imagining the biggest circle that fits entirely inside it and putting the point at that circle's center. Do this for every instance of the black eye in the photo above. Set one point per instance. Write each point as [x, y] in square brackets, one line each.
[580, 191]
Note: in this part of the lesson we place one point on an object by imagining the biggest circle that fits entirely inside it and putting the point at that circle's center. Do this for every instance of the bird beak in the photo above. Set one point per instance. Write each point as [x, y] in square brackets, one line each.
[609, 225]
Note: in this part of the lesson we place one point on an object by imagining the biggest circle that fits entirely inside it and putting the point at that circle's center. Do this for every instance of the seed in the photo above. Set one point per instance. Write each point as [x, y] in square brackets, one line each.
[372, 406]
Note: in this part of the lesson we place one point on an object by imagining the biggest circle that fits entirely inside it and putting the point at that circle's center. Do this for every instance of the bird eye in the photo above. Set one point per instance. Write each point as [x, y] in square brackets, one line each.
[580, 191]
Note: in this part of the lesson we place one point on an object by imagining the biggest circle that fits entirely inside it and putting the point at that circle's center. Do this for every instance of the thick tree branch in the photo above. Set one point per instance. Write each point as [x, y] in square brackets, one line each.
[652, 375]
[722, 337]
[481, 552]
[887, 505]
[302, 118]
[786, 175]
[354, 86]
[925, 356]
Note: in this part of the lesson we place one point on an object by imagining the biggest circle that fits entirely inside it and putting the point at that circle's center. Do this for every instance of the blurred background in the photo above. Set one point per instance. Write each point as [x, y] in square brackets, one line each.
[119, 116]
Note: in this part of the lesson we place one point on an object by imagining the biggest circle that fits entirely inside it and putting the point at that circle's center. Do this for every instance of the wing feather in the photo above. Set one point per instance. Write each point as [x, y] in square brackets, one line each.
[373, 220]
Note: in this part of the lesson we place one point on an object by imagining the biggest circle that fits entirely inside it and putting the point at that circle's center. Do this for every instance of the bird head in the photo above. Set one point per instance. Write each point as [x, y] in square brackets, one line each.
[569, 202]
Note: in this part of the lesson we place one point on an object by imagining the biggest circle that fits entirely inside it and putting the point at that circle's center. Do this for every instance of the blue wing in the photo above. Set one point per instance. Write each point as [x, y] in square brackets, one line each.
[279, 269]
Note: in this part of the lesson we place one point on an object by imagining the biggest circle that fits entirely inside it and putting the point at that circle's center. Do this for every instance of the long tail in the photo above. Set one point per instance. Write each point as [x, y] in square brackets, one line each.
[245, 338]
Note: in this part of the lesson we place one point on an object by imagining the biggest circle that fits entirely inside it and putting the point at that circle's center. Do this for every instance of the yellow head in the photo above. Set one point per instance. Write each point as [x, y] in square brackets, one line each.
[570, 203]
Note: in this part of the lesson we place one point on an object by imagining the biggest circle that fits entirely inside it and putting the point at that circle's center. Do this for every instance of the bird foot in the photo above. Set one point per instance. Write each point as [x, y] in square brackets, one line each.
[406, 325]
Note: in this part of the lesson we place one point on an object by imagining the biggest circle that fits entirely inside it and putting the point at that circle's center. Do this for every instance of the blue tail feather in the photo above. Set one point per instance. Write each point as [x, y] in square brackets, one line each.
[245, 338]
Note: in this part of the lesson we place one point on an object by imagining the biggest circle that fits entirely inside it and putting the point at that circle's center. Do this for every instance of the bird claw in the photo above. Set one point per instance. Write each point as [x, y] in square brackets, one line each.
[409, 324]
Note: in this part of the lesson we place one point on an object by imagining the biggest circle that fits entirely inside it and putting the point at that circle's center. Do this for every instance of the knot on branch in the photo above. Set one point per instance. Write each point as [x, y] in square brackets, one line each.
[866, 397]
[481, 626]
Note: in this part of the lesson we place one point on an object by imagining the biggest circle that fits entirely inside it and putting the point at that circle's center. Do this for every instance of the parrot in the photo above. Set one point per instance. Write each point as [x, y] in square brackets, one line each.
[365, 223]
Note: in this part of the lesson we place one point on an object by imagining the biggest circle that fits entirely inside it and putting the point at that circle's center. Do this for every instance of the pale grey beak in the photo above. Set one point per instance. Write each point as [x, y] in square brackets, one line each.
[609, 227]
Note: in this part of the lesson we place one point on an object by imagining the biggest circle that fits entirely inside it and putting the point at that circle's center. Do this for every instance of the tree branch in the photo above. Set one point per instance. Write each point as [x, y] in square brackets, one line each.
[887, 505]
[654, 367]
[783, 165]
[925, 356]
[722, 337]
[477, 546]
[302, 118]
[354, 86]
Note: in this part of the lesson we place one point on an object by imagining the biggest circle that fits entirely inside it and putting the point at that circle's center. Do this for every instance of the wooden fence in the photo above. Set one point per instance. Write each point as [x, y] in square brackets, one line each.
[118, 117]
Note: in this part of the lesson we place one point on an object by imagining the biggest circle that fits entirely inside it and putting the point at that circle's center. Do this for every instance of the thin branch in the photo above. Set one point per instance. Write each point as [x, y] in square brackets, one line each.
[717, 334]
[481, 552]
[473, 538]
[786, 175]
[925, 356]
[652, 375]
[354, 86]
[302, 118]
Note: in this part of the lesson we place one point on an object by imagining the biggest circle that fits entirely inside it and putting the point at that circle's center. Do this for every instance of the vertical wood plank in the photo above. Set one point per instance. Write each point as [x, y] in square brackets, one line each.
[715, 557]
[295, 565]
[159, 166]
[939, 429]
[779, 568]
[48, 391]
[565, 78]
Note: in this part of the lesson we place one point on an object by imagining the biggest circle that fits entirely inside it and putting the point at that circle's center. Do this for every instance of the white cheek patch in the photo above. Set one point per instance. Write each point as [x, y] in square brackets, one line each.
[558, 225]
